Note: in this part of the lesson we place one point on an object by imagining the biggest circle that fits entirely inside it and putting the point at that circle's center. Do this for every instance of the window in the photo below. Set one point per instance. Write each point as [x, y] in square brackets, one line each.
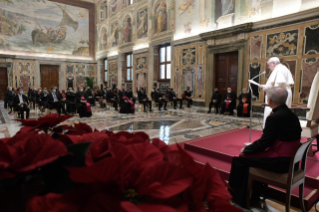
[165, 62]
[129, 67]
[103, 11]
[105, 70]
[128, 2]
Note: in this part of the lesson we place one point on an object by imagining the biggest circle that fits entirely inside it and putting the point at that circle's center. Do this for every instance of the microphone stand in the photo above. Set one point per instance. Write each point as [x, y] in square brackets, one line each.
[251, 113]
[251, 107]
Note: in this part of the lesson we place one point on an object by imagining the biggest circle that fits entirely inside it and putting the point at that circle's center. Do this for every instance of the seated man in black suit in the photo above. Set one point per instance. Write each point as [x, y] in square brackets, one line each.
[55, 101]
[20, 103]
[70, 101]
[243, 108]
[110, 97]
[142, 98]
[272, 152]
[216, 99]
[33, 96]
[229, 103]
[173, 98]
[159, 98]
[188, 97]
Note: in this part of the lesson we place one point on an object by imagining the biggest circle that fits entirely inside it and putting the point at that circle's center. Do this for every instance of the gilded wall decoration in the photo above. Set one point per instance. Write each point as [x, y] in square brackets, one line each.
[10, 74]
[255, 47]
[112, 73]
[142, 23]
[291, 65]
[188, 56]
[311, 41]
[310, 67]
[24, 74]
[140, 71]
[113, 6]
[188, 79]
[200, 83]
[282, 44]
[75, 74]
[254, 70]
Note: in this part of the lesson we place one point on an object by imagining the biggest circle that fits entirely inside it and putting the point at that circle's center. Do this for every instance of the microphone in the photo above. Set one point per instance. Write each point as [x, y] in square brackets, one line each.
[259, 75]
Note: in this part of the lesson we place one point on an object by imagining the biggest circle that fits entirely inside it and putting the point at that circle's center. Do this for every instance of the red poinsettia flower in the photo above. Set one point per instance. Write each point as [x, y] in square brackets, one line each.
[28, 151]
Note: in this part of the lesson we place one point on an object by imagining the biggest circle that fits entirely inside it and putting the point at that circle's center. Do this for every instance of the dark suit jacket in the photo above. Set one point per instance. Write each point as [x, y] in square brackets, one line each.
[110, 95]
[158, 95]
[171, 95]
[141, 95]
[70, 98]
[188, 94]
[217, 96]
[16, 100]
[129, 94]
[281, 125]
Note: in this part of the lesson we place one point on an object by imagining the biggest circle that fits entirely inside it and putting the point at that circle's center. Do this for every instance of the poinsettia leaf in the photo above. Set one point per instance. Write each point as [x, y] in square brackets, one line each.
[7, 153]
[222, 205]
[164, 180]
[105, 171]
[83, 127]
[103, 202]
[145, 153]
[79, 152]
[130, 207]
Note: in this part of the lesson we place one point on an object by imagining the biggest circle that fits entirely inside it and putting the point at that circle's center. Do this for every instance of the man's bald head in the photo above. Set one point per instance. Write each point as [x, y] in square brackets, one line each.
[278, 95]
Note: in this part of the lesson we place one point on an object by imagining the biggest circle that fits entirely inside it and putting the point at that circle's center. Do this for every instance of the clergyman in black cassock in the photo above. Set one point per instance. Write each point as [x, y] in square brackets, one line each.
[243, 108]
[215, 101]
[229, 103]
[81, 99]
[272, 152]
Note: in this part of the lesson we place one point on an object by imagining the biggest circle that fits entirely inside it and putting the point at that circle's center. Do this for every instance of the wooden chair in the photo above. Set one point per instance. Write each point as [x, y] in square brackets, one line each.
[288, 181]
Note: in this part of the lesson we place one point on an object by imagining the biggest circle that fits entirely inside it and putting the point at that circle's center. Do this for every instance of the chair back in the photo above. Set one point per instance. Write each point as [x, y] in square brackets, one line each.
[183, 95]
[313, 100]
[301, 155]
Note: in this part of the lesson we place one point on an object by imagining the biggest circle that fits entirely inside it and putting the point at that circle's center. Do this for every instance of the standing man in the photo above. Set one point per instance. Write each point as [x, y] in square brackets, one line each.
[188, 97]
[280, 77]
[243, 108]
[216, 99]
[229, 102]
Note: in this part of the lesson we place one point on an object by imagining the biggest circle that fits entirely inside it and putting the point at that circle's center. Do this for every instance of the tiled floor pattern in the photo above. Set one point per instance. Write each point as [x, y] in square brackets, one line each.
[172, 126]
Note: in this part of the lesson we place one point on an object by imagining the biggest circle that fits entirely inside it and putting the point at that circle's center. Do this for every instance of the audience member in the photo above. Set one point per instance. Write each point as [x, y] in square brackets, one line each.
[243, 108]
[20, 103]
[229, 103]
[215, 101]
[188, 97]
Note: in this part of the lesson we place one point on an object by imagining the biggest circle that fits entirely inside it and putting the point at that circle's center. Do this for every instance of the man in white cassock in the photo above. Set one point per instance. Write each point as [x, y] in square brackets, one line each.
[280, 77]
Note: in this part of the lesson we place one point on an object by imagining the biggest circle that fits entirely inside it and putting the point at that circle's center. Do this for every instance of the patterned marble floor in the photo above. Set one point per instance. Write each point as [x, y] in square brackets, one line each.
[172, 126]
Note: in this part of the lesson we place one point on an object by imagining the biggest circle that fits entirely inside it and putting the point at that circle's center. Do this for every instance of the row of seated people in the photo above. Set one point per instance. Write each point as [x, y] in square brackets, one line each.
[48, 100]
[229, 103]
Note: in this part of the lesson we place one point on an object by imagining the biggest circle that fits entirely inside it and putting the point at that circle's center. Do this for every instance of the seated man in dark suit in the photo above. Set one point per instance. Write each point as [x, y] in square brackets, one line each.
[173, 98]
[243, 108]
[55, 101]
[159, 98]
[229, 103]
[70, 101]
[33, 96]
[216, 99]
[143, 99]
[272, 152]
[188, 97]
[20, 103]
[110, 97]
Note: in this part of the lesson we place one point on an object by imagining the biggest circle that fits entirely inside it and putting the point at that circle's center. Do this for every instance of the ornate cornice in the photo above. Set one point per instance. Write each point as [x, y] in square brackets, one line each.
[230, 31]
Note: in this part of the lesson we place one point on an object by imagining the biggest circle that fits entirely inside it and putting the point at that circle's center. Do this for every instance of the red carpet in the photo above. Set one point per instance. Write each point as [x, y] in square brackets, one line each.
[219, 149]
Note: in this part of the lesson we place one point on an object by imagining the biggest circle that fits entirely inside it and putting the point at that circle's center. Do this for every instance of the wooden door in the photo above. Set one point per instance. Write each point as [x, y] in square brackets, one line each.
[3, 81]
[49, 76]
[226, 71]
